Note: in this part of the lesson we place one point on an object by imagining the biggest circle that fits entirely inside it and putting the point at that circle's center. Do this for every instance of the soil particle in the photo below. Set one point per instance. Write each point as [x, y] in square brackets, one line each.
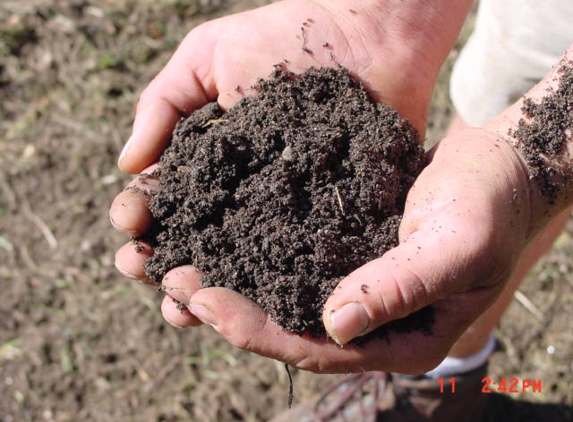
[137, 245]
[544, 133]
[179, 305]
[139, 191]
[286, 193]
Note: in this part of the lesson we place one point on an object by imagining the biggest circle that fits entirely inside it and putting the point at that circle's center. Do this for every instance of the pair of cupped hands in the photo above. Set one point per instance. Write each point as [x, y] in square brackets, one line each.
[467, 220]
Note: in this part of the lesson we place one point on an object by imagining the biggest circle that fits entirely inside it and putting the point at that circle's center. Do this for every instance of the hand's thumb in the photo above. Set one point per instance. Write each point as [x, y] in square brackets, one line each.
[404, 280]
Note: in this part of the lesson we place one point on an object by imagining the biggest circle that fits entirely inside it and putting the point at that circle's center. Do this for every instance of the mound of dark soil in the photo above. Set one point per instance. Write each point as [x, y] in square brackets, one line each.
[286, 193]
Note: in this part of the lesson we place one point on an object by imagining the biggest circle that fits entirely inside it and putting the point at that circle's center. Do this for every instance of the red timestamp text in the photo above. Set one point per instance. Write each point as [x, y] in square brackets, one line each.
[510, 385]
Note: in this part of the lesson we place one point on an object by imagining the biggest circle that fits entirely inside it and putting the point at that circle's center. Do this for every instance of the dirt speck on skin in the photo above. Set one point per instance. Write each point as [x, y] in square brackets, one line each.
[543, 135]
[286, 193]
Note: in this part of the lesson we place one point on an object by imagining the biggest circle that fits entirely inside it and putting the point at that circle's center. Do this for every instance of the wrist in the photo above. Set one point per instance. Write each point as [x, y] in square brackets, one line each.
[540, 129]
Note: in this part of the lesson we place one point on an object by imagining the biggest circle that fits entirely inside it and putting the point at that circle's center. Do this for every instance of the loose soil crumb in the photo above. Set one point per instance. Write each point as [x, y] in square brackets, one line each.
[286, 193]
[543, 135]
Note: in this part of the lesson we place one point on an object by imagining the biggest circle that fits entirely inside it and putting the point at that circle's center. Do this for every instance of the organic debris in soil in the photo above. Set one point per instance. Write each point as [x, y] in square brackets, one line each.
[286, 193]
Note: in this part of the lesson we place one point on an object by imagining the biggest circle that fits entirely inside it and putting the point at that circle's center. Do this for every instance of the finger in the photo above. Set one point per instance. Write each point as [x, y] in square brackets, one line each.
[176, 91]
[177, 314]
[248, 327]
[129, 212]
[130, 261]
[180, 284]
[431, 265]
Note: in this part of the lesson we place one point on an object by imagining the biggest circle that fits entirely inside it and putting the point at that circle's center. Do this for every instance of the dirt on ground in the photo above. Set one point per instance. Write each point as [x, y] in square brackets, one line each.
[80, 343]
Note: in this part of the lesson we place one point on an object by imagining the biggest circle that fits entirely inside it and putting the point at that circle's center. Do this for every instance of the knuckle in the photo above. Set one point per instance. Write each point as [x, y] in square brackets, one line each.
[314, 364]
[239, 341]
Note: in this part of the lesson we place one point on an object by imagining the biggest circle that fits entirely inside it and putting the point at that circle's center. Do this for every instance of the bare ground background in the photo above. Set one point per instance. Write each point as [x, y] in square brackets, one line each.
[78, 342]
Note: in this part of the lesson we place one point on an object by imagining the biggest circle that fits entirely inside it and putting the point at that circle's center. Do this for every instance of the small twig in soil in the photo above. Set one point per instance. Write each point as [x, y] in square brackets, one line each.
[213, 121]
[339, 199]
[290, 396]
[44, 229]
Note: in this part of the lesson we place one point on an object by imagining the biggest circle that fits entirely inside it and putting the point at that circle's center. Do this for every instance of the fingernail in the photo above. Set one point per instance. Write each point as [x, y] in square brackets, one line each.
[124, 272]
[348, 322]
[124, 151]
[204, 314]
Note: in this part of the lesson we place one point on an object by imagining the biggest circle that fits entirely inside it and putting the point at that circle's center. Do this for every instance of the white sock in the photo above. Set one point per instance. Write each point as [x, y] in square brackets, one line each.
[455, 366]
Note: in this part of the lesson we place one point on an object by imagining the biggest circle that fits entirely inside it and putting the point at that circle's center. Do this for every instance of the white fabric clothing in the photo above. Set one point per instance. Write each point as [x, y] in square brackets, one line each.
[514, 44]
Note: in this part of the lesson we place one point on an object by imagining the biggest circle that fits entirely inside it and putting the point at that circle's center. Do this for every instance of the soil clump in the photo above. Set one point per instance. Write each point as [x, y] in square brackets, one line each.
[286, 193]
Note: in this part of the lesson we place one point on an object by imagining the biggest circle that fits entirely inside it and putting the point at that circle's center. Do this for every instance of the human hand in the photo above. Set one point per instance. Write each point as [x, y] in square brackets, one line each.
[462, 233]
[397, 60]
[469, 217]
[449, 232]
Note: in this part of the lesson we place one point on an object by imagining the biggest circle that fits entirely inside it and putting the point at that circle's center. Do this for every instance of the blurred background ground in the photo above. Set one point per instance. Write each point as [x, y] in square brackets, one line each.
[80, 343]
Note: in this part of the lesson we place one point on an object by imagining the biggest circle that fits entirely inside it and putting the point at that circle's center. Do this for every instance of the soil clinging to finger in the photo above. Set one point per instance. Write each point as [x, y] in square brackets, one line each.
[286, 193]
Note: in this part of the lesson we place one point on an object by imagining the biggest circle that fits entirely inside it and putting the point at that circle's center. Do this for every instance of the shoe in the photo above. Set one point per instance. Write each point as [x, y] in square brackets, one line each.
[384, 397]
[501, 407]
